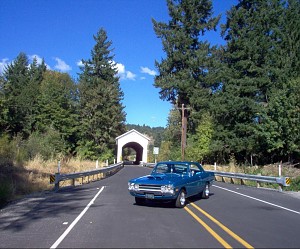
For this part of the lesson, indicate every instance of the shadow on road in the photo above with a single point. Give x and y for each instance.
(20, 214)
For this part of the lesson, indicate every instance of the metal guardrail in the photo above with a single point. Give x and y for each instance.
(57, 178)
(281, 181)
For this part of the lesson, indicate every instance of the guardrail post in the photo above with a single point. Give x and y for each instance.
(258, 183)
(58, 167)
(56, 186)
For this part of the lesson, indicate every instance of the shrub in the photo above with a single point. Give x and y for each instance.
(6, 190)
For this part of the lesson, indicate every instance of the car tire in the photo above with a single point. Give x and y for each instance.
(139, 201)
(181, 199)
(206, 191)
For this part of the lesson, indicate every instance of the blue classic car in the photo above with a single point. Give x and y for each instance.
(172, 181)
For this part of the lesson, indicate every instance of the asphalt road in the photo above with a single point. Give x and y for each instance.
(102, 214)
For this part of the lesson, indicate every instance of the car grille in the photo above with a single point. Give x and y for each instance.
(154, 188)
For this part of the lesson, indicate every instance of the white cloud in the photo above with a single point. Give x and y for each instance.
(123, 73)
(79, 63)
(147, 70)
(61, 65)
(121, 68)
(130, 75)
(3, 64)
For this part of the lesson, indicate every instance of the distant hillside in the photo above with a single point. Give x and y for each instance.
(155, 133)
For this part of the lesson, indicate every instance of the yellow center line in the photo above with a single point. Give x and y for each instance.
(227, 230)
(212, 232)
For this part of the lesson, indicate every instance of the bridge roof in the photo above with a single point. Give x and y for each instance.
(130, 132)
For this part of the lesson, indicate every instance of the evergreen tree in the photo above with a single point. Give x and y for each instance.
(15, 81)
(101, 112)
(31, 95)
(20, 90)
(255, 75)
(57, 109)
(183, 74)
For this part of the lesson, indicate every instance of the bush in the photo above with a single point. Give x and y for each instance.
(6, 191)
(295, 184)
(7, 152)
(48, 145)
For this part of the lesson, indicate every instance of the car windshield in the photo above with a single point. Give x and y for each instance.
(170, 168)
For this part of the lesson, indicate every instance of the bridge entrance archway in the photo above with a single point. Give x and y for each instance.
(136, 141)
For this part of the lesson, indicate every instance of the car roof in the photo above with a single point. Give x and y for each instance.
(179, 162)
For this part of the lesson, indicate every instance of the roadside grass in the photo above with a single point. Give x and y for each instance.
(17, 180)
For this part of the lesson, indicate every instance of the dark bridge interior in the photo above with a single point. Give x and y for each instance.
(137, 148)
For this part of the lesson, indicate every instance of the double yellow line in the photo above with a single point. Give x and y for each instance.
(212, 232)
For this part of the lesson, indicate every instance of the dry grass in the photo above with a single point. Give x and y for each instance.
(267, 170)
(34, 176)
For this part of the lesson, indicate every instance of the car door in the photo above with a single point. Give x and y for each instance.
(197, 173)
(192, 182)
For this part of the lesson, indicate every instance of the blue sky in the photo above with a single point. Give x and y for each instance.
(61, 32)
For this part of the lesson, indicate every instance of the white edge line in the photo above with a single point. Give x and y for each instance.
(269, 203)
(61, 238)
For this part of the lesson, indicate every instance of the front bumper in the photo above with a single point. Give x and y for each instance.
(154, 193)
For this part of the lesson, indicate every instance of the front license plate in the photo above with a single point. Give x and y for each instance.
(149, 196)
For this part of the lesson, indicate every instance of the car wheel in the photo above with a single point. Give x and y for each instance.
(206, 191)
(181, 199)
(139, 201)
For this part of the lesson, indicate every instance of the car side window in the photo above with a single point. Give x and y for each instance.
(162, 168)
(196, 168)
(180, 169)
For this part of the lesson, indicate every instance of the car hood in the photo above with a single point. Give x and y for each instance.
(157, 178)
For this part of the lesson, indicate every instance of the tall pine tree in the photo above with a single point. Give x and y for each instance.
(102, 117)
(20, 90)
(255, 78)
(183, 74)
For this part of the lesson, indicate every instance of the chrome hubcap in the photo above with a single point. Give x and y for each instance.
(207, 190)
(182, 199)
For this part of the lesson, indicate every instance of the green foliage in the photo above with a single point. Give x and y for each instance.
(49, 145)
(249, 85)
(57, 107)
(295, 184)
(168, 151)
(6, 190)
(183, 74)
(19, 93)
(7, 152)
(253, 109)
(198, 145)
(101, 112)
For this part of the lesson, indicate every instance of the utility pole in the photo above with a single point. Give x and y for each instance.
(183, 129)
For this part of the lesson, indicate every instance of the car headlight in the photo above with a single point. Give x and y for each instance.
(130, 186)
(133, 186)
(167, 189)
